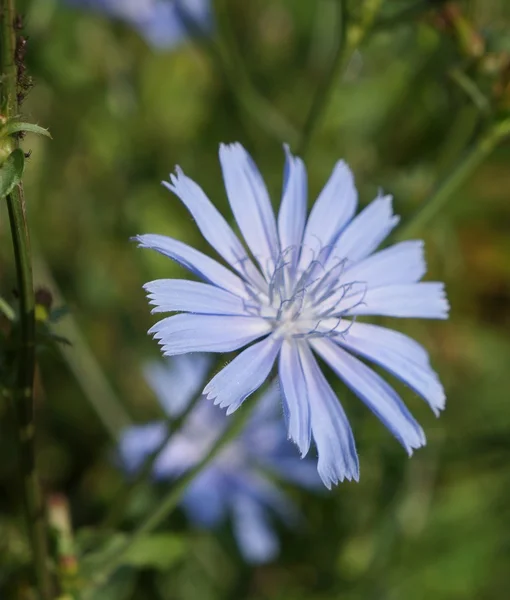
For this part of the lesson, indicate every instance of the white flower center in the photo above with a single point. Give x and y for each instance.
(310, 303)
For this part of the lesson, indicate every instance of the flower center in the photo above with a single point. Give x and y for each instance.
(310, 302)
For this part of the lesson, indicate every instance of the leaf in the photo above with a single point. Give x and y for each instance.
(11, 172)
(158, 551)
(16, 127)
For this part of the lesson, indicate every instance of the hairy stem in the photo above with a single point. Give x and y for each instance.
(24, 364)
(170, 501)
(473, 157)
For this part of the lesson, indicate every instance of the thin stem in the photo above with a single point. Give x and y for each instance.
(325, 86)
(474, 156)
(348, 40)
(414, 10)
(471, 89)
(171, 500)
(228, 60)
(124, 496)
(22, 390)
(82, 362)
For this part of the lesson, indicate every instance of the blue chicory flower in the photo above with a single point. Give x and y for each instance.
(299, 293)
(163, 23)
(236, 481)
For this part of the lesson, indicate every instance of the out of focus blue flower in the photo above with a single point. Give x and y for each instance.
(239, 482)
(297, 291)
(163, 23)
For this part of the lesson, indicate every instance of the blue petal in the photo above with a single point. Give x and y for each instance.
(253, 483)
(425, 300)
(201, 265)
(245, 374)
(205, 500)
(382, 399)
(184, 333)
(181, 295)
(399, 355)
(297, 471)
(213, 226)
(250, 204)
(292, 215)
(178, 381)
(365, 232)
(331, 212)
(255, 537)
(295, 396)
(137, 442)
(166, 26)
(401, 263)
(338, 459)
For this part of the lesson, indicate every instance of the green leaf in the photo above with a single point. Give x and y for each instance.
(17, 126)
(11, 172)
(158, 551)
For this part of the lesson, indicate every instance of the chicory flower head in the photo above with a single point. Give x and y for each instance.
(235, 483)
(298, 293)
(163, 23)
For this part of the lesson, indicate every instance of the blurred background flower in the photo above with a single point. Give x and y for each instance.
(240, 480)
(163, 23)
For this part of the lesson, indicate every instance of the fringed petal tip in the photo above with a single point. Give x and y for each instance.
(332, 478)
(415, 442)
(137, 239)
(443, 299)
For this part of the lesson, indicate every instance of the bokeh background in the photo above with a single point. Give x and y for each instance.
(122, 114)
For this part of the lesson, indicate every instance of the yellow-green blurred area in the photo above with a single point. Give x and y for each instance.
(122, 115)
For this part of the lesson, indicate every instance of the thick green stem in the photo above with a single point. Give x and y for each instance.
(473, 157)
(24, 364)
(171, 500)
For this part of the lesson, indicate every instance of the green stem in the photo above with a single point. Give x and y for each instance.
(473, 157)
(171, 500)
(325, 86)
(407, 14)
(229, 58)
(82, 362)
(228, 61)
(124, 496)
(22, 392)
(348, 41)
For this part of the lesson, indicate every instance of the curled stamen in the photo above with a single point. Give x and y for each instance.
(359, 302)
(277, 279)
(330, 281)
